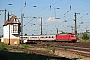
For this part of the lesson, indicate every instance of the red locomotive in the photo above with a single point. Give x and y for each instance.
(66, 37)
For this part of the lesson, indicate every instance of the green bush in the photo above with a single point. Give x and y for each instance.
(65, 48)
(85, 36)
(53, 49)
(3, 47)
(48, 44)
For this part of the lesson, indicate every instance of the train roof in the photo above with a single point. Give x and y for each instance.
(39, 36)
(65, 34)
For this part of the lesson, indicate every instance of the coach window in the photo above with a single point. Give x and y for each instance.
(52, 36)
(32, 37)
(42, 37)
(49, 36)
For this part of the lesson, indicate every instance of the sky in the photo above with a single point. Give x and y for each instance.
(48, 10)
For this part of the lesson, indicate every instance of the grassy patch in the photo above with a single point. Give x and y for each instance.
(65, 48)
(84, 40)
(25, 51)
(27, 46)
(53, 50)
(48, 44)
(3, 47)
(47, 51)
(16, 55)
(31, 47)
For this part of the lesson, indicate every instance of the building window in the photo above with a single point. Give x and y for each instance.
(15, 28)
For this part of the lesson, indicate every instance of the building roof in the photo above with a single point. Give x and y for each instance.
(12, 20)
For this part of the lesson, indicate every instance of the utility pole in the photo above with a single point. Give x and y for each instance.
(5, 15)
(9, 30)
(55, 12)
(76, 24)
(57, 30)
(41, 25)
(12, 8)
(22, 15)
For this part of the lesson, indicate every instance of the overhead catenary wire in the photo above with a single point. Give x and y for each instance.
(28, 22)
(64, 13)
(88, 1)
(47, 7)
(25, 5)
(51, 8)
(70, 4)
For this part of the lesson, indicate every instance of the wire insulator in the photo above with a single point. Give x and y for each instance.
(50, 7)
(70, 7)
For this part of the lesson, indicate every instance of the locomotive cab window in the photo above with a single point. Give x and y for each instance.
(72, 36)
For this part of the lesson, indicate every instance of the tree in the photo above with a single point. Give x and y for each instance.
(25, 34)
(64, 32)
(32, 34)
(85, 36)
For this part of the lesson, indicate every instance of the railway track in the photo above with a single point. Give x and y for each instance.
(82, 49)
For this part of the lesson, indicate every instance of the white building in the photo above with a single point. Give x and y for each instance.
(11, 31)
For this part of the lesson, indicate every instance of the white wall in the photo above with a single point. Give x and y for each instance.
(2, 40)
(6, 32)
